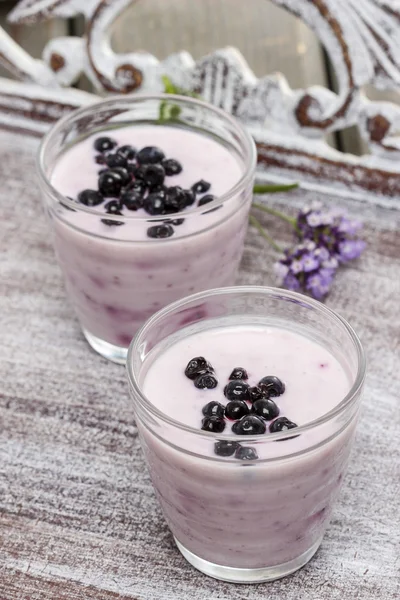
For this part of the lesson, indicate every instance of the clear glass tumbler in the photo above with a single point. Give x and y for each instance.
(116, 277)
(256, 520)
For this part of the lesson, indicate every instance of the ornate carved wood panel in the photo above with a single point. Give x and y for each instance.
(362, 38)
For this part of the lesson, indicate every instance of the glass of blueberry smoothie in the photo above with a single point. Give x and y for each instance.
(148, 198)
(246, 412)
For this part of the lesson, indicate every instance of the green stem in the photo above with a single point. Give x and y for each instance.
(277, 213)
(273, 189)
(265, 235)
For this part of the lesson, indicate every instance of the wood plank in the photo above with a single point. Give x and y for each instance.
(78, 517)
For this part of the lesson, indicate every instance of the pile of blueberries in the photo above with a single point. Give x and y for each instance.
(136, 179)
(250, 407)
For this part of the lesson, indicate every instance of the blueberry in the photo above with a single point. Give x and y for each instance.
(160, 231)
(249, 425)
(113, 207)
(150, 155)
(136, 171)
(177, 221)
(214, 409)
(171, 166)
(100, 159)
(237, 390)
(104, 144)
(128, 152)
(206, 199)
(138, 186)
(236, 409)
(190, 197)
(154, 204)
(196, 366)
(213, 424)
(175, 199)
(255, 393)
(206, 381)
(246, 453)
(90, 198)
(132, 200)
(226, 448)
(271, 386)
(281, 424)
(110, 183)
(239, 373)
(265, 408)
(116, 160)
(154, 175)
(200, 187)
(125, 176)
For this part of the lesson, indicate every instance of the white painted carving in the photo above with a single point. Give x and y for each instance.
(362, 38)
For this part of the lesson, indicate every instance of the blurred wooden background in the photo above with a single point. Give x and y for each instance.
(269, 38)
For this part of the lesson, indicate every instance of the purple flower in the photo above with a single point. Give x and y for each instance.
(291, 282)
(350, 249)
(326, 239)
(319, 283)
(348, 226)
(309, 262)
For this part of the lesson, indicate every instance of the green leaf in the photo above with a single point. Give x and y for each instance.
(273, 189)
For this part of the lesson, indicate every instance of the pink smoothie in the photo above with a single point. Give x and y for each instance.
(235, 513)
(118, 276)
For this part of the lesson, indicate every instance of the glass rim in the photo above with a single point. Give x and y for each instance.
(339, 409)
(245, 139)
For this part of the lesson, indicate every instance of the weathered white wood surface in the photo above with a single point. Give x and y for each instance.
(78, 517)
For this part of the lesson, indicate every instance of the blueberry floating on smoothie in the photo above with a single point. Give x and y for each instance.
(154, 175)
(175, 200)
(196, 366)
(132, 200)
(281, 424)
(138, 186)
(104, 144)
(125, 176)
(249, 425)
(201, 187)
(237, 390)
(113, 207)
(272, 386)
(90, 198)
(100, 159)
(160, 231)
(150, 155)
(175, 221)
(206, 381)
(236, 409)
(110, 183)
(238, 373)
(214, 409)
(265, 408)
(226, 448)
(190, 197)
(255, 393)
(116, 160)
(127, 151)
(171, 166)
(246, 453)
(136, 171)
(154, 204)
(213, 424)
